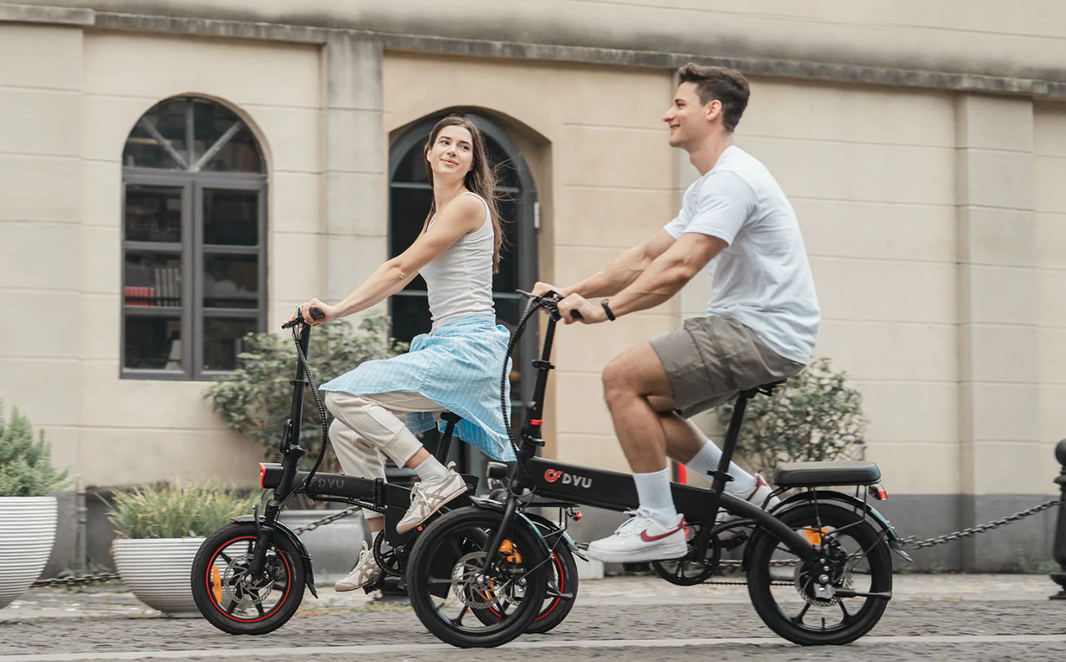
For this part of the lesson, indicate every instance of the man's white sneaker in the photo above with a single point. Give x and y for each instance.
(428, 497)
(642, 538)
(760, 496)
(366, 571)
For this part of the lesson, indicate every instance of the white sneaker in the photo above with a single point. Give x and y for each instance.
(760, 496)
(641, 538)
(428, 498)
(366, 571)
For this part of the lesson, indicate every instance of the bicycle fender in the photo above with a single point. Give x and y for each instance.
(553, 529)
(521, 519)
(301, 549)
(828, 495)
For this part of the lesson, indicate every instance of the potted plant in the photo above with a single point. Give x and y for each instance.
(159, 530)
(27, 508)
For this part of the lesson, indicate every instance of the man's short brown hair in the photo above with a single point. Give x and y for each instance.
(728, 86)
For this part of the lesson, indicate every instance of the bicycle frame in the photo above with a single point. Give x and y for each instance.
(372, 494)
(574, 484)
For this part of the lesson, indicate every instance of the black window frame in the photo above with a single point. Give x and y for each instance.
(192, 250)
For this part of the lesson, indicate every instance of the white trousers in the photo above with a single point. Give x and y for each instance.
(365, 426)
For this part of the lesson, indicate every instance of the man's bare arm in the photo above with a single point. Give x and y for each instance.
(668, 273)
(624, 270)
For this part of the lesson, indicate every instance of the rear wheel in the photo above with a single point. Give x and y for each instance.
(447, 580)
(792, 596)
(230, 597)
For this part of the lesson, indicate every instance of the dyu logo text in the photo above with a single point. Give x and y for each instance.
(563, 478)
(328, 483)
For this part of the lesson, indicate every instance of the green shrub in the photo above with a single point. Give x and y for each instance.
(255, 399)
(816, 416)
(175, 512)
(25, 465)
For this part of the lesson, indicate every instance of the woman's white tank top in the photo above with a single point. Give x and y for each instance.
(459, 280)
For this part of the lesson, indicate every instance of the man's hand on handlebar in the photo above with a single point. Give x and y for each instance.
(575, 308)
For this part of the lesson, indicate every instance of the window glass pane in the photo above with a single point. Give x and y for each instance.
(143, 151)
(412, 168)
(506, 280)
(231, 218)
(410, 317)
(231, 281)
(153, 213)
(498, 159)
(223, 341)
(152, 280)
(153, 343)
(239, 154)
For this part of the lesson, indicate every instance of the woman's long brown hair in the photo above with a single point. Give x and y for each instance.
(480, 180)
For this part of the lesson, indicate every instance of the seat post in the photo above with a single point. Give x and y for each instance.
(446, 441)
(721, 476)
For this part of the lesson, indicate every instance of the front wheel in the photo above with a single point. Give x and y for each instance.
(815, 602)
(447, 579)
(230, 597)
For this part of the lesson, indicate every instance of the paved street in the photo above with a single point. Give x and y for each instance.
(933, 617)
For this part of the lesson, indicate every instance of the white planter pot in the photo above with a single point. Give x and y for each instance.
(157, 571)
(27, 533)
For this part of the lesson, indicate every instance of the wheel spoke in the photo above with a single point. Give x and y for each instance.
(259, 608)
(232, 605)
(458, 620)
(844, 609)
(226, 558)
(803, 612)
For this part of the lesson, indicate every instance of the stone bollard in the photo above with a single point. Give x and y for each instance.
(1058, 551)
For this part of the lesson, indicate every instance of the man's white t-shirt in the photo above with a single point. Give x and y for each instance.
(762, 279)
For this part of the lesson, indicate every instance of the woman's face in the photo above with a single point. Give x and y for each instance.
(451, 155)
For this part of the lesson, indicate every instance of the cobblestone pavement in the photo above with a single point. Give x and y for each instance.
(934, 617)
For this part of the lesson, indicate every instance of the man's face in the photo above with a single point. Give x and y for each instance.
(688, 119)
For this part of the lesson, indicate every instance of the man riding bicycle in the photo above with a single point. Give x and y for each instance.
(760, 327)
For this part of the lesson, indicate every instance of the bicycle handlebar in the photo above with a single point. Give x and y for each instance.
(550, 302)
(316, 314)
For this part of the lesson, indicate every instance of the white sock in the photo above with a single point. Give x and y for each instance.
(707, 461)
(653, 490)
(431, 470)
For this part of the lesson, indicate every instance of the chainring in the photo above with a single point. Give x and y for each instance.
(688, 571)
(387, 559)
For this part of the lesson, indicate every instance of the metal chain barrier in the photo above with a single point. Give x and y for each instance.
(911, 541)
(328, 519)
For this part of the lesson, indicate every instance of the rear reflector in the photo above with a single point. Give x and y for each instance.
(880, 493)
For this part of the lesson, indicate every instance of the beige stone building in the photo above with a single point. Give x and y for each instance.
(173, 175)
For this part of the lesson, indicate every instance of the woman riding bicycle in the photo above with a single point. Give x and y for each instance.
(455, 367)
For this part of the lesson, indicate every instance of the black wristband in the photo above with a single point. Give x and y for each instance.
(607, 309)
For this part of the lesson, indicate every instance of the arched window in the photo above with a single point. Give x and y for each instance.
(193, 240)
(410, 195)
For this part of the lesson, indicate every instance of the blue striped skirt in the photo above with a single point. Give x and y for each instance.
(458, 366)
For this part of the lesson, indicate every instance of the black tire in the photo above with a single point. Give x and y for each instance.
(226, 603)
(438, 554)
(562, 579)
(870, 562)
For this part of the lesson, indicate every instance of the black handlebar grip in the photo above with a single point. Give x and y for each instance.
(576, 315)
(316, 313)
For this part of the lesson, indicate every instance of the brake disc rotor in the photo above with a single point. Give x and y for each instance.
(807, 575)
(472, 587)
(238, 589)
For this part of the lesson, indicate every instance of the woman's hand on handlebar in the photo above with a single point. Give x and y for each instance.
(541, 289)
(305, 311)
(576, 308)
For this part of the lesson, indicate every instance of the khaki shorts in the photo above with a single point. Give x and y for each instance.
(711, 359)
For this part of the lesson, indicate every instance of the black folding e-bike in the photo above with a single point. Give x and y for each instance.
(818, 565)
(249, 576)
